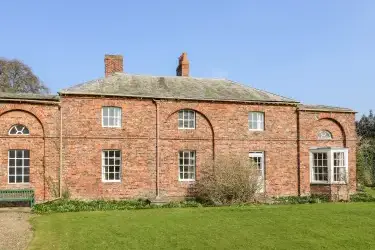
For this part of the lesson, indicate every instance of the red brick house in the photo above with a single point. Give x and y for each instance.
(128, 136)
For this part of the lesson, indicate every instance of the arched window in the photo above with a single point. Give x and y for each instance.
(19, 129)
(324, 135)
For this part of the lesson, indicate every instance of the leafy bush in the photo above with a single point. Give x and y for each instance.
(302, 199)
(65, 205)
(176, 204)
(362, 197)
(230, 180)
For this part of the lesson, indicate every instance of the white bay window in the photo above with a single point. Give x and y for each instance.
(329, 165)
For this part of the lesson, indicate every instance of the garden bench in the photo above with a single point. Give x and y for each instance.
(17, 195)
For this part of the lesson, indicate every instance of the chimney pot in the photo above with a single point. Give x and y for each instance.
(113, 64)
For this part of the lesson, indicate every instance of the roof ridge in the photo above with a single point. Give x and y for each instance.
(169, 76)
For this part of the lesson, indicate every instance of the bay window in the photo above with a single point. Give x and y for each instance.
(329, 165)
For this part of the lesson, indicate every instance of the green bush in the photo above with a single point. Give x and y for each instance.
(65, 205)
(302, 199)
(362, 197)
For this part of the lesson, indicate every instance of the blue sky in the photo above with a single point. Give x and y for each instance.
(317, 52)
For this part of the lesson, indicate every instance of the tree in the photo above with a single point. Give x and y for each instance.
(366, 126)
(366, 150)
(15, 76)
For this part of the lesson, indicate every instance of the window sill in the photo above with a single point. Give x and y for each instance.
(256, 130)
(103, 181)
(187, 181)
(186, 128)
(328, 183)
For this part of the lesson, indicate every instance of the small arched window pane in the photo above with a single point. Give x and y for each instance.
(324, 135)
(19, 129)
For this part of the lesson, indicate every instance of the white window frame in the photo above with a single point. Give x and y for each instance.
(114, 165)
(183, 165)
(23, 166)
(22, 133)
(117, 116)
(188, 119)
(331, 165)
(325, 135)
(259, 122)
(262, 183)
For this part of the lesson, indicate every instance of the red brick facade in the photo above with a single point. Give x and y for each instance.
(149, 140)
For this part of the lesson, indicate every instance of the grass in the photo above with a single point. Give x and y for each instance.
(309, 226)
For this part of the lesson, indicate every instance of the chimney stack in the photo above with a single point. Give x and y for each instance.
(113, 64)
(183, 65)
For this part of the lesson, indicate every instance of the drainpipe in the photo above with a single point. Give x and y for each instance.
(298, 153)
(61, 153)
(157, 149)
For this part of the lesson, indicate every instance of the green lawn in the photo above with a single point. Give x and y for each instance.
(315, 226)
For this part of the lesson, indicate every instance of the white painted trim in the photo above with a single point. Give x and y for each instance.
(330, 152)
(103, 166)
(15, 167)
(120, 118)
(183, 119)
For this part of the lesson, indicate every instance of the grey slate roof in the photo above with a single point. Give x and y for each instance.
(28, 96)
(173, 87)
(325, 108)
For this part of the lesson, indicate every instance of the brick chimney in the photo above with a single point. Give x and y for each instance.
(113, 64)
(183, 65)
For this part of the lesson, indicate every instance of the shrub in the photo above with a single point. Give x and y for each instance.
(302, 199)
(362, 197)
(65, 205)
(230, 180)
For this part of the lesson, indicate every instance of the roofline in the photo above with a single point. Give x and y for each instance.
(35, 101)
(327, 110)
(175, 98)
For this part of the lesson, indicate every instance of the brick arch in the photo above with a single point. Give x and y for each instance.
(30, 111)
(342, 129)
(315, 123)
(197, 111)
(205, 118)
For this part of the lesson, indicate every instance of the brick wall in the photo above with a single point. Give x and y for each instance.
(221, 129)
(43, 143)
(342, 127)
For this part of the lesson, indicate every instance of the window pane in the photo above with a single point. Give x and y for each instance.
(19, 179)
(191, 124)
(26, 179)
(26, 162)
(117, 176)
(180, 114)
(111, 112)
(12, 171)
(12, 179)
(111, 176)
(12, 153)
(105, 111)
(26, 153)
(117, 153)
(19, 153)
(19, 171)
(19, 162)
(105, 121)
(12, 162)
(26, 170)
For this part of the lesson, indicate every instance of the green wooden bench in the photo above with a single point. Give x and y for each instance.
(17, 195)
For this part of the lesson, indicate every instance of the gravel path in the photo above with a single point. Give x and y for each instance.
(15, 231)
